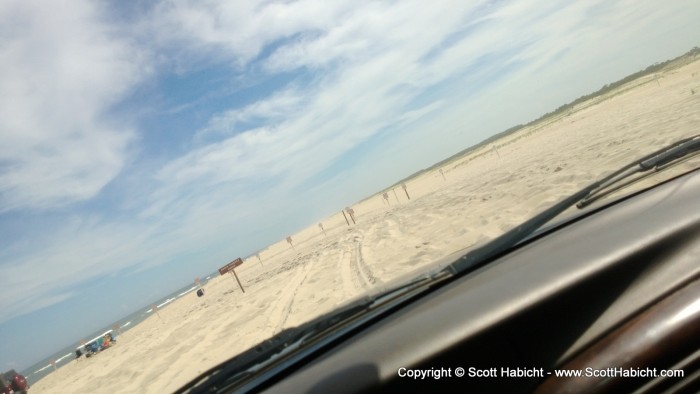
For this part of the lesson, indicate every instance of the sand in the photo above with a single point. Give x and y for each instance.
(480, 196)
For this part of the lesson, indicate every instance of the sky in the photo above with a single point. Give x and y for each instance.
(145, 143)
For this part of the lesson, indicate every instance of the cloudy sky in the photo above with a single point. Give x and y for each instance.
(145, 143)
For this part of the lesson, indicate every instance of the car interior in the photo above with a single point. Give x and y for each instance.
(616, 287)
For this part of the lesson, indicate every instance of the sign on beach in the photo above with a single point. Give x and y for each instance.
(230, 267)
(405, 189)
(350, 212)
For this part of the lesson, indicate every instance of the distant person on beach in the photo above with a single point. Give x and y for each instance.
(92, 347)
(106, 342)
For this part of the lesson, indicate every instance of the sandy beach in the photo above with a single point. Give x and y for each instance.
(464, 203)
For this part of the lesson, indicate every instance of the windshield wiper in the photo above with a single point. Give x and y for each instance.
(263, 361)
(659, 160)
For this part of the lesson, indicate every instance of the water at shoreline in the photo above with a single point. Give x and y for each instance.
(43, 368)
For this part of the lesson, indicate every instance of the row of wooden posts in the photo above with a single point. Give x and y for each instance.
(347, 213)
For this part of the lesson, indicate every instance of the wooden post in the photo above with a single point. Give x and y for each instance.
(346, 218)
(405, 189)
(352, 214)
(230, 268)
(233, 271)
(395, 195)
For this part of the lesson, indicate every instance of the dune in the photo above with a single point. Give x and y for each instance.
(466, 202)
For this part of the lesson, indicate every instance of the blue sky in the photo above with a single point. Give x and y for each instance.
(135, 142)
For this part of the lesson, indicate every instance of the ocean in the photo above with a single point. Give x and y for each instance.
(61, 358)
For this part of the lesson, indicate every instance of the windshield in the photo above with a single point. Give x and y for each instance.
(181, 180)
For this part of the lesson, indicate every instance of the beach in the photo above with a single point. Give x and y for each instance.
(443, 211)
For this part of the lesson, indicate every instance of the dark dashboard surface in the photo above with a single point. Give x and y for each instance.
(539, 307)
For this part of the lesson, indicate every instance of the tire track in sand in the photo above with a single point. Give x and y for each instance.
(356, 275)
(280, 311)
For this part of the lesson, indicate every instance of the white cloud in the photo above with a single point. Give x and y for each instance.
(275, 108)
(80, 250)
(39, 273)
(61, 69)
(241, 28)
(409, 28)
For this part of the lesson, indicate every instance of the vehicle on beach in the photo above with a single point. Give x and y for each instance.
(13, 382)
(97, 345)
(604, 300)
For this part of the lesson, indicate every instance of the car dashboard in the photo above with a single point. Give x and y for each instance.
(614, 291)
